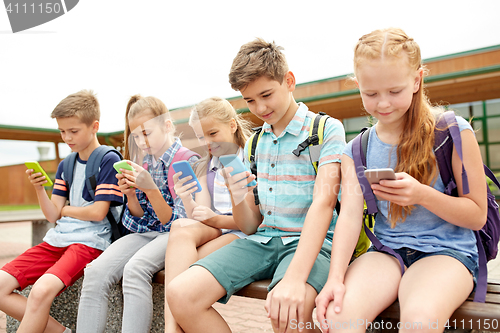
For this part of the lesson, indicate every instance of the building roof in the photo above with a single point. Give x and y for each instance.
(455, 78)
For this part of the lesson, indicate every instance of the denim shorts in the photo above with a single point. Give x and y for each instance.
(410, 256)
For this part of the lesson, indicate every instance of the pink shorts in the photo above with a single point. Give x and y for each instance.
(67, 263)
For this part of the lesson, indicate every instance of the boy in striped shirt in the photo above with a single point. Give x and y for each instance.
(292, 227)
(81, 230)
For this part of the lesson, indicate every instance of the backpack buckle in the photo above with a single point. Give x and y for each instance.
(314, 140)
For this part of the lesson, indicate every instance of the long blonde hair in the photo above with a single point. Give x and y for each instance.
(135, 107)
(220, 110)
(415, 148)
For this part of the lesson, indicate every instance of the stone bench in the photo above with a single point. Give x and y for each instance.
(65, 308)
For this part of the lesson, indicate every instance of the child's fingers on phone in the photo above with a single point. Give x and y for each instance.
(192, 190)
(126, 172)
(226, 172)
(38, 180)
(176, 176)
(236, 178)
(183, 180)
(135, 165)
(187, 187)
(130, 183)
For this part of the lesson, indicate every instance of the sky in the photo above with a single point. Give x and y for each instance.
(181, 51)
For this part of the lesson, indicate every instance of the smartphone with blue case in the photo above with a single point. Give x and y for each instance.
(235, 162)
(185, 168)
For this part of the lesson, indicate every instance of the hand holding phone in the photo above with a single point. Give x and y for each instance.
(185, 168)
(374, 176)
(122, 165)
(235, 162)
(38, 168)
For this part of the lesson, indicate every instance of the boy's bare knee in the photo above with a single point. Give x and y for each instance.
(177, 299)
(176, 225)
(7, 283)
(176, 293)
(41, 294)
(180, 229)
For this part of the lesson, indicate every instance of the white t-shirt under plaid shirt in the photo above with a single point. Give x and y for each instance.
(285, 181)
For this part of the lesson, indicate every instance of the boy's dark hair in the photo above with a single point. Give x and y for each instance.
(255, 59)
(82, 104)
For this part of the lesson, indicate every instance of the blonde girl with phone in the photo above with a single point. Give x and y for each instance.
(209, 224)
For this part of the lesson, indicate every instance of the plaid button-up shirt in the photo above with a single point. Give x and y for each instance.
(159, 172)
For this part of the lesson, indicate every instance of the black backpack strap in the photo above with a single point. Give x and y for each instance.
(68, 169)
(92, 170)
(365, 133)
(312, 139)
(93, 167)
(254, 139)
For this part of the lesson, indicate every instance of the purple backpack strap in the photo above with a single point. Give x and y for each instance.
(447, 127)
(447, 124)
(182, 154)
(360, 165)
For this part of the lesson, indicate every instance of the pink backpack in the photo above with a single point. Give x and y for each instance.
(183, 154)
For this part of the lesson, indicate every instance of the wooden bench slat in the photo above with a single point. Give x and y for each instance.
(490, 298)
(472, 315)
(493, 286)
(493, 282)
(159, 277)
(257, 289)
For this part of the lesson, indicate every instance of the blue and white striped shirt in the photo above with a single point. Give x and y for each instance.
(285, 181)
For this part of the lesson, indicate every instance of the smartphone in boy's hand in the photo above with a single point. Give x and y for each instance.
(235, 162)
(38, 168)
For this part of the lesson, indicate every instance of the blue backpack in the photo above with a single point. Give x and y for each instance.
(447, 135)
(92, 170)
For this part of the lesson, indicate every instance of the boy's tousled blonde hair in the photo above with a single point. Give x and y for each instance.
(255, 59)
(83, 105)
(138, 106)
(416, 142)
(221, 111)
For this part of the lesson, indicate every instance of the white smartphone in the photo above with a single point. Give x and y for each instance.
(374, 176)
